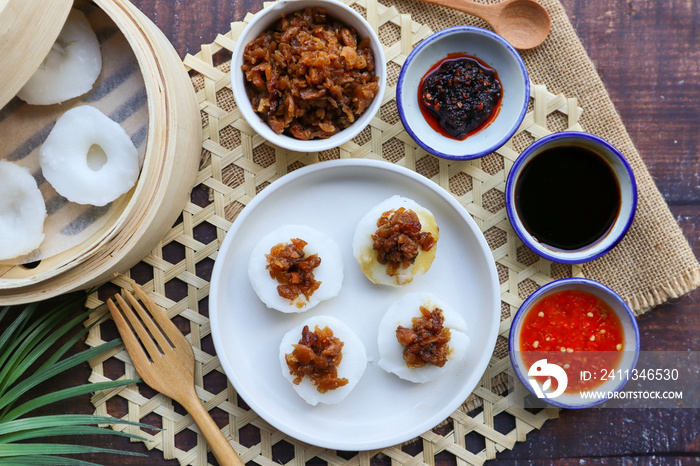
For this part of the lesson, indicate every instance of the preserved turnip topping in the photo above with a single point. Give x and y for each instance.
(399, 239)
(427, 341)
(309, 75)
(317, 356)
(395, 241)
(323, 359)
(295, 267)
(421, 338)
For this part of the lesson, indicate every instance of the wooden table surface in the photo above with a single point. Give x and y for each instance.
(648, 56)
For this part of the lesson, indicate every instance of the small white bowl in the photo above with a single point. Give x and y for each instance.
(495, 52)
(262, 21)
(625, 179)
(630, 351)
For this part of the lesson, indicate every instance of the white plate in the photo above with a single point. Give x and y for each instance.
(382, 410)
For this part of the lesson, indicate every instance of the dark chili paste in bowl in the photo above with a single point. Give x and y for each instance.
(459, 96)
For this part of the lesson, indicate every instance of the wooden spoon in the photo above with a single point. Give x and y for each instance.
(523, 23)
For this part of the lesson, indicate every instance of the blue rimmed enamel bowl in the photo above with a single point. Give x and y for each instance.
(622, 173)
(493, 51)
(609, 385)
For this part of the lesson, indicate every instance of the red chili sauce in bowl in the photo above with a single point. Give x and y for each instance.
(459, 96)
(579, 331)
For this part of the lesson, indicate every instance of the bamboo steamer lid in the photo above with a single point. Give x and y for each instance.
(28, 29)
(171, 163)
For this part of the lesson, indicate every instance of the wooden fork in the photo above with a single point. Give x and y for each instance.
(167, 364)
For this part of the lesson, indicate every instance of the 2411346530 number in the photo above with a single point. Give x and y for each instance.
(643, 374)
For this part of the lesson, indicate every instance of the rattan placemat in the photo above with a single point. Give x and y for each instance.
(651, 265)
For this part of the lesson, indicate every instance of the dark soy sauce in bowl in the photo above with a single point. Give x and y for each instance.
(567, 197)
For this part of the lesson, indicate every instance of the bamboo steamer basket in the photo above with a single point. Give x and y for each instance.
(173, 150)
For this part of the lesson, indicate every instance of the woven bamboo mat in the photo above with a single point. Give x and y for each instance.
(236, 165)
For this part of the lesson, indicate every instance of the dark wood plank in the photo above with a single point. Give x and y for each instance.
(613, 433)
(190, 24)
(647, 54)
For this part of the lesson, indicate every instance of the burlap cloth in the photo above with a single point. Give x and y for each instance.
(652, 264)
(654, 261)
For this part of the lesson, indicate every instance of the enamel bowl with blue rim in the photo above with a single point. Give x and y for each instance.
(607, 382)
(565, 212)
(491, 50)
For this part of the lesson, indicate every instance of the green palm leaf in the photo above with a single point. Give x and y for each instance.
(40, 460)
(61, 430)
(9, 339)
(69, 344)
(35, 344)
(62, 395)
(55, 449)
(35, 379)
(28, 359)
(58, 420)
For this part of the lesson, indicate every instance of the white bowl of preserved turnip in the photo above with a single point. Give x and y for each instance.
(97, 123)
(308, 75)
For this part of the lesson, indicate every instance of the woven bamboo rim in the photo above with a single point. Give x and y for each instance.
(236, 164)
(168, 173)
